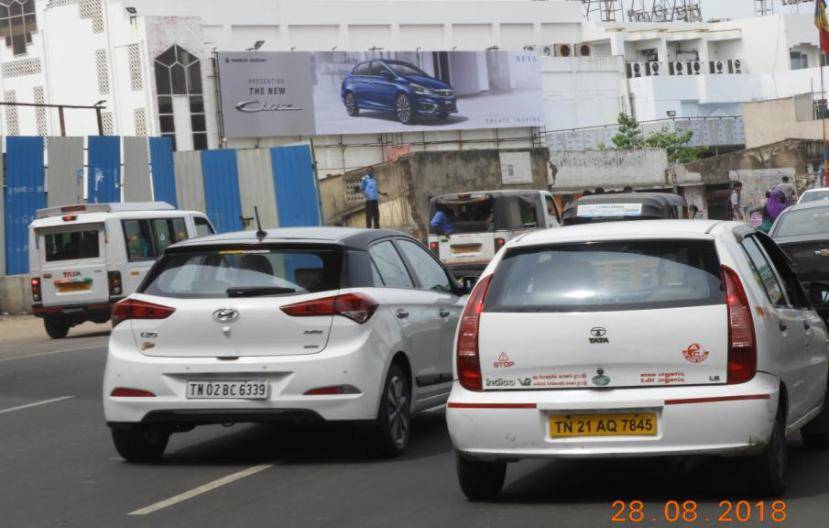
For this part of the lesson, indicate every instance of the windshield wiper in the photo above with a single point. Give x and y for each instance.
(257, 291)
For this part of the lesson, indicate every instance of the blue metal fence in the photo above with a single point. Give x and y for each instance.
(104, 176)
(25, 194)
(161, 161)
(221, 189)
(297, 198)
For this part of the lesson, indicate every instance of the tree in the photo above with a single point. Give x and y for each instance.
(630, 137)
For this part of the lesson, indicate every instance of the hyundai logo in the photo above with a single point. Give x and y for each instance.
(598, 332)
(225, 315)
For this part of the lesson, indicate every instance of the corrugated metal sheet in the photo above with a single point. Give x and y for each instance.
(296, 187)
(256, 186)
(64, 174)
(25, 194)
(2, 218)
(221, 189)
(104, 179)
(164, 178)
(189, 181)
(137, 170)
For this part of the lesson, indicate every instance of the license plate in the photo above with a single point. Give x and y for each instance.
(74, 286)
(625, 424)
(227, 390)
(466, 249)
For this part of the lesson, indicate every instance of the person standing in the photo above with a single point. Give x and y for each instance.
(368, 186)
(735, 210)
(775, 205)
(788, 190)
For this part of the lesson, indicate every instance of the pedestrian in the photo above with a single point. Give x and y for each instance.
(368, 186)
(443, 223)
(788, 190)
(775, 205)
(734, 209)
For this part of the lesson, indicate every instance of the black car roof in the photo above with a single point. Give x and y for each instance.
(355, 238)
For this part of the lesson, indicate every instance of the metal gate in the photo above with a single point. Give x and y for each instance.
(296, 186)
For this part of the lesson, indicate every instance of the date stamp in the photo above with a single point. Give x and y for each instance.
(688, 512)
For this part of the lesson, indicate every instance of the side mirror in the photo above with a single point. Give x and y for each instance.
(819, 293)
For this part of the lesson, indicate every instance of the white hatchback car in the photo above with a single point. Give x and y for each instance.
(306, 324)
(637, 339)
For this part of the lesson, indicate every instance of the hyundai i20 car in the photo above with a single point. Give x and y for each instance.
(633, 339)
(398, 87)
(305, 325)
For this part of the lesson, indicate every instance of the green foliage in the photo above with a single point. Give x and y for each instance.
(630, 137)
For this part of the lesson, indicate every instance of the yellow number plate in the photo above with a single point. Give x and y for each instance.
(463, 250)
(572, 425)
(77, 286)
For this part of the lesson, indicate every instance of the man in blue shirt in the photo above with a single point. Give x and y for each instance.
(368, 186)
(443, 222)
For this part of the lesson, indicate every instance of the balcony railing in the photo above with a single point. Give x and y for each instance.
(679, 68)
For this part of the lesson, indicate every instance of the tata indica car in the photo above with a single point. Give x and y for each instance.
(657, 338)
(304, 325)
(398, 87)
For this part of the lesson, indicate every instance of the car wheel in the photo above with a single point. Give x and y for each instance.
(393, 426)
(770, 466)
(56, 328)
(351, 104)
(442, 117)
(403, 109)
(480, 481)
(815, 434)
(140, 444)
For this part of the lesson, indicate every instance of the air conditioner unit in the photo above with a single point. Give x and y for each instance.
(583, 50)
(548, 51)
(719, 67)
(529, 48)
(679, 68)
(695, 67)
(736, 66)
(563, 50)
(637, 69)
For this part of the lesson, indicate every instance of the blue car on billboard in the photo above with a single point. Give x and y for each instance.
(398, 87)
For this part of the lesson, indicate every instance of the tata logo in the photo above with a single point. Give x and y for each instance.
(71, 274)
(598, 336)
(225, 315)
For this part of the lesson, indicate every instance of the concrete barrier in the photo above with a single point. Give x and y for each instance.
(15, 295)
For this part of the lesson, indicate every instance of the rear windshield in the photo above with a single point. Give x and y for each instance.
(480, 214)
(607, 276)
(234, 272)
(72, 245)
(804, 222)
(815, 196)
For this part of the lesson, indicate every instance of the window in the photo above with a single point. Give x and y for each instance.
(17, 23)
(764, 273)
(377, 68)
(163, 234)
(813, 221)
(608, 276)
(362, 69)
(390, 266)
(552, 210)
(178, 73)
(148, 239)
(430, 274)
(72, 245)
(794, 290)
(528, 213)
(203, 227)
(376, 279)
(404, 69)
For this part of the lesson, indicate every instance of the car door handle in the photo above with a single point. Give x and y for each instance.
(444, 314)
(783, 327)
(402, 314)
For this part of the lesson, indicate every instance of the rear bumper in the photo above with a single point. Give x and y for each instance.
(459, 271)
(715, 420)
(75, 311)
(223, 416)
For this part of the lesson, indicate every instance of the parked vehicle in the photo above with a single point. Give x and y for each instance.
(814, 195)
(304, 324)
(634, 339)
(398, 87)
(627, 206)
(84, 258)
(802, 232)
(483, 222)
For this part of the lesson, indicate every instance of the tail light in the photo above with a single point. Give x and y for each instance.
(37, 295)
(135, 309)
(115, 286)
(334, 390)
(125, 392)
(499, 243)
(434, 247)
(69, 218)
(355, 306)
(468, 360)
(742, 348)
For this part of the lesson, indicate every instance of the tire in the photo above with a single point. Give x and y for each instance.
(141, 444)
(56, 328)
(769, 468)
(403, 109)
(394, 421)
(442, 117)
(480, 481)
(351, 105)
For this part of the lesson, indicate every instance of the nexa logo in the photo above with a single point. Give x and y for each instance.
(598, 336)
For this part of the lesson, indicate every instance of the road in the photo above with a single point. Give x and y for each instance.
(58, 468)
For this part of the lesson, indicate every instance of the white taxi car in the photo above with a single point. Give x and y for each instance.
(298, 325)
(637, 339)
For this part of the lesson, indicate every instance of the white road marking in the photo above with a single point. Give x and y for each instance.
(195, 492)
(52, 353)
(35, 404)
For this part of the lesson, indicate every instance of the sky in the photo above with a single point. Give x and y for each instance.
(745, 8)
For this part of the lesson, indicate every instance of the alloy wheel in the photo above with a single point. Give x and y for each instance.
(350, 104)
(398, 408)
(404, 109)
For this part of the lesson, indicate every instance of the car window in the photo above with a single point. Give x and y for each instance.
(377, 68)
(376, 279)
(139, 240)
(528, 212)
(764, 273)
(163, 234)
(71, 245)
(362, 69)
(815, 196)
(552, 210)
(405, 69)
(203, 227)
(179, 229)
(390, 265)
(813, 221)
(790, 281)
(430, 274)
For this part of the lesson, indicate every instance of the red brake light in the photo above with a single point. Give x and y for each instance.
(70, 218)
(499, 243)
(72, 208)
(124, 392)
(36, 293)
(115, 287)
(135, 309)
(468, 360)
(742, 348)
(355, 306)
(333, 390)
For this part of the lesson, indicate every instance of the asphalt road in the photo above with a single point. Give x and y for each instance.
(58, 468)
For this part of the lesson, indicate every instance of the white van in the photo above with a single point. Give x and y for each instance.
(84, 258)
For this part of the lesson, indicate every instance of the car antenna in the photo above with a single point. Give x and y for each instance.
(260, 233)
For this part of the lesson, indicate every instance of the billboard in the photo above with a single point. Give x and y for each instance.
(328, 93)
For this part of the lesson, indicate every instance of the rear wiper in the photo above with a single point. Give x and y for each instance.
(257, 291)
